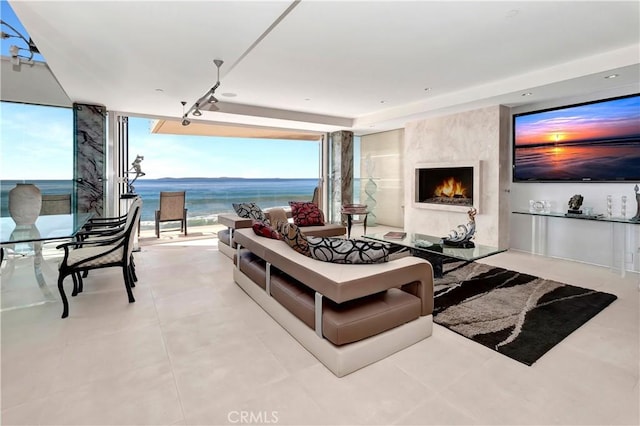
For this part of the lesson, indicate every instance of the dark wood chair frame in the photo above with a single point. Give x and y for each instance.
(123, 240)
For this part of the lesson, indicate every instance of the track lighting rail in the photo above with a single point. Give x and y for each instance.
(208, 97)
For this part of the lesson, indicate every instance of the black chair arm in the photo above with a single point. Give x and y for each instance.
(101, 242)
(108, 219)
(99, 232)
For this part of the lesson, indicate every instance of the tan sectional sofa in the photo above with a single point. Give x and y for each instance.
(232, 221)
(348, 316)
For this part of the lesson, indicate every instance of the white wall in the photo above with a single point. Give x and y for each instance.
(386, 153)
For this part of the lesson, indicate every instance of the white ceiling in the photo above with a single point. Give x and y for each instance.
(328, 65)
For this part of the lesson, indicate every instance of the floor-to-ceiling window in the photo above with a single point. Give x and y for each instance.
(36, 146)
(218, 171)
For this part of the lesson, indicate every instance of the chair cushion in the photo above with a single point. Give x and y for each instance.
(338, 250)
(306, 214)
(250, 211)
(107, 255)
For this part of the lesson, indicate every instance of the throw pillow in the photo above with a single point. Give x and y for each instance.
(277, 215)
(264, 230)
(306, 213)
(338, 250)
(250, 211)
(292, 235)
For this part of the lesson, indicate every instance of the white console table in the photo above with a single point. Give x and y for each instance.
(620, 228)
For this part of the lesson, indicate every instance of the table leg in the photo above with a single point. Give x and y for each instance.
(348, 226)
(365, 224)
(434, 259)
(37, 269)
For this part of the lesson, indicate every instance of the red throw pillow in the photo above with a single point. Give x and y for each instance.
(306, 213)
(264, 230)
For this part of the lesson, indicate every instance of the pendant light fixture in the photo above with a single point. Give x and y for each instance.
(185, 120)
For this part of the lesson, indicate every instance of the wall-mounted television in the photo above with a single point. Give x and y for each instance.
(595, 141)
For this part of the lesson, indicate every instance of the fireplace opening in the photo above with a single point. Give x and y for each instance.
(451, 186)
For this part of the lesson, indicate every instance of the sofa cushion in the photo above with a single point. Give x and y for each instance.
(293, 236)
(265, 230)
(224, 236)
(338, 250)
(306, 213)
(250, 211)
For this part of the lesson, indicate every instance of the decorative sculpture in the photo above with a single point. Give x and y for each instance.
(461, 236)
(637, 216)
(574, 204)
(135, 168)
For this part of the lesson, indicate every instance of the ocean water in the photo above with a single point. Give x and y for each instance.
(205, 197)
(615, 160)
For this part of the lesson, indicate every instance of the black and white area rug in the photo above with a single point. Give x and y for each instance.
(518, 315)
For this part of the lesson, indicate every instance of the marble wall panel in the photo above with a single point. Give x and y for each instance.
(90, 154)
(341, 172)
(477, 135)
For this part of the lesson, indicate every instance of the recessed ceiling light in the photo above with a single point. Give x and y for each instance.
(527, 94)
(512, 13)
(229, 95)
(382, 102)
(159, 90)
(307, 99)
(427, 89)
(612, 76)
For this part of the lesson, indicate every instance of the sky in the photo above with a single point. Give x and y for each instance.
(36, 142)
(603, 120)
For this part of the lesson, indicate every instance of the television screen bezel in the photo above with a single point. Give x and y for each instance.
(572, 180)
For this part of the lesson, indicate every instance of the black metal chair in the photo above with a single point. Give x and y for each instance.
(103, 252)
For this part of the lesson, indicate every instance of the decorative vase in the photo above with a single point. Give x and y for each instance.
(370, 189)
(25, 201)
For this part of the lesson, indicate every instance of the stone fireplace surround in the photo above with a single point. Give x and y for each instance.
(478, 136)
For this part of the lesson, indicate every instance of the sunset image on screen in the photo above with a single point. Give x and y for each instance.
(599, 141)
(610, 120)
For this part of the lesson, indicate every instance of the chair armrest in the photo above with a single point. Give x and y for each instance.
(107, 219)
(100, 242)
(105, 224)
(81, 235)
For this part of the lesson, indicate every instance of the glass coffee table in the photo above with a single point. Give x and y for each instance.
(432, 249)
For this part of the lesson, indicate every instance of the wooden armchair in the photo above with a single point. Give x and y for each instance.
(172, 209)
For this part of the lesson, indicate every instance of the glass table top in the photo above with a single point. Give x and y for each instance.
(49, 227)
(596, 217)
(432, 244)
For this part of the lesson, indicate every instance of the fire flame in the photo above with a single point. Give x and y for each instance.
(450, 187)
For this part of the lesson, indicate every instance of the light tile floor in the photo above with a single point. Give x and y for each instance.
(195, 349)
